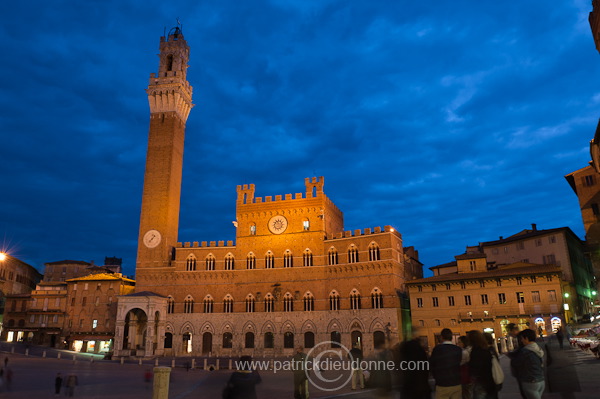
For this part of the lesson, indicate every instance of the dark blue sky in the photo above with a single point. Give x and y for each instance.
(454, 122)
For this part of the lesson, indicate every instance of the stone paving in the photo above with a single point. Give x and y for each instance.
(33, 377)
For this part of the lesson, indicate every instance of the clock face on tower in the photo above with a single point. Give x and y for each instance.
(278, 224)
(152, 238)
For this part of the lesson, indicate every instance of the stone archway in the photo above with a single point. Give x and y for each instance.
(134, 332)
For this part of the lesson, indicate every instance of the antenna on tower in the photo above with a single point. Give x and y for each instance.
(179, 24)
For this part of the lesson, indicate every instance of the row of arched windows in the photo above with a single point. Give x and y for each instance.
(288, 258)
(307, 303)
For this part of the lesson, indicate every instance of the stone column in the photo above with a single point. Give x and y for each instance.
(161, 383)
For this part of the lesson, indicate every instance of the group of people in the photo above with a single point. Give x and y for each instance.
(69, 383)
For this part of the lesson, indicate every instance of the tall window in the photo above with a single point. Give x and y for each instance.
(450, 301)
(332, 256)
(269, 303)
(269, 340)
(269, 260)
(306, 225)
(334, 301)
(307, 258)
(352, 254)
(229, 262)
(467, 299)
(288, 259)
(376, 299)
(190, 263)
(288, 340)
(227, 340)
(501, 298)
(552, 295)
(288, 302)
(252, 229)
(520, 297)
(228, 304)
(535, 296)
(419, 302)
(170, 305)
(484, 299)
(336, 339)
(309, 302)
(435, 302)
(249, 341)
(251, 261)
(588, 180)
(472, 265)
(355, 300)
(374, 252)
(210, 262)
(250, 303)
(188, 305)
(208, 304)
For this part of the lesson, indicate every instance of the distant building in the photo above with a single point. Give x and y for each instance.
(16, 278)
(469, 295)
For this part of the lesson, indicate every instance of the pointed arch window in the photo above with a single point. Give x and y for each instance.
(355, 302)
(250, 261)
(269, 303)
(288, 259)
(188, 304)
(250, 301)
(334, 301)
(228, 304)
(376, 299)
(269, 260)
(210, 262)
(309, 302)
(170, 304)
(288, 302)
(229, 262)
(332, 256)
(190, 264)
(374, 252)
(307, 258)
(208, 304)
(352, 254)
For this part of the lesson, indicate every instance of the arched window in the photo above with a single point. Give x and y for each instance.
(376, 299)
(332, 256)
(170, 304)
(210, 262)
(269, 260)
(352, 254)
(249, 340)
(168, 340)
(228, 304)
(336, 339)
(288, 340)
(269, 340)
(288, 259)
(378, 339)
(288, 302)
(188, 304)
(190, 263)
(334, 301)
(309, 339)
(227, 340)
(229, 262)
(252, 229)
(307, 258)
(374, 252)
(355, 302)
(250, 303)
(209, 303)
(250, 261)
(309, 302)
(269, 303)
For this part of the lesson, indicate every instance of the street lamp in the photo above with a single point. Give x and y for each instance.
(2, 256)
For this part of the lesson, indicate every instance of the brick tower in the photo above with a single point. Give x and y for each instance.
(170, 99)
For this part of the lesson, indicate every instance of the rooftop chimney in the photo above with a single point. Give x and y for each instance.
(533, 226)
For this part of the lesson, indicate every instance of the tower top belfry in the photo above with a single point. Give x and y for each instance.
(169, 90)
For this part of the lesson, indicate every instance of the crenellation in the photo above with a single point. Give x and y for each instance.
(268, 198)
(259, 200)
(186, 245)
(367, 231)
(298, 196)
(203, 244)
(288, 197)
(377, 229)
(213, 244)
(347, 233)
(278, 198)
(221, 244)
(357, 232)
(230, 243)
(195, 244)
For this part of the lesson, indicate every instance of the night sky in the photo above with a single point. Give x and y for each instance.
(453, 121)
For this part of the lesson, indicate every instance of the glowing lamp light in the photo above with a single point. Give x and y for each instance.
(566, 306)
(566, 295)
(594, 292)
(392, 230)
(2, 256)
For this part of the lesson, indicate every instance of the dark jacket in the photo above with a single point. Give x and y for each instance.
(527, 363)
(445, 364)
(413, 383)
(480, 369)
(242, 384)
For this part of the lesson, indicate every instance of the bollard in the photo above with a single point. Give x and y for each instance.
(92, 359)
(156, 363)
(193, 364)
(140, 361)
(217, 366)
(44, 354)
(173, 363)
(58, 356)
(12, 350)
(160, 388)
(27, 352)
(205, 364)
(74, 359)
(122, 360)
(230, 362)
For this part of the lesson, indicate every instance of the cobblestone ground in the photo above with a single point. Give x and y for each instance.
(33, 377)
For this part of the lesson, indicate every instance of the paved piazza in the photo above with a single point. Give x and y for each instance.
(33, 377)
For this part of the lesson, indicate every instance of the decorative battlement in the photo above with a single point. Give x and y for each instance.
(314, 189)
(359, 232)
(205, 244)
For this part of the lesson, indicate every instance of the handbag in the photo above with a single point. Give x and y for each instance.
(497, 373)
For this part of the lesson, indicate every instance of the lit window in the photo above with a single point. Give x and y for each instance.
(94, 323)
(306, 225)
(253, 230)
